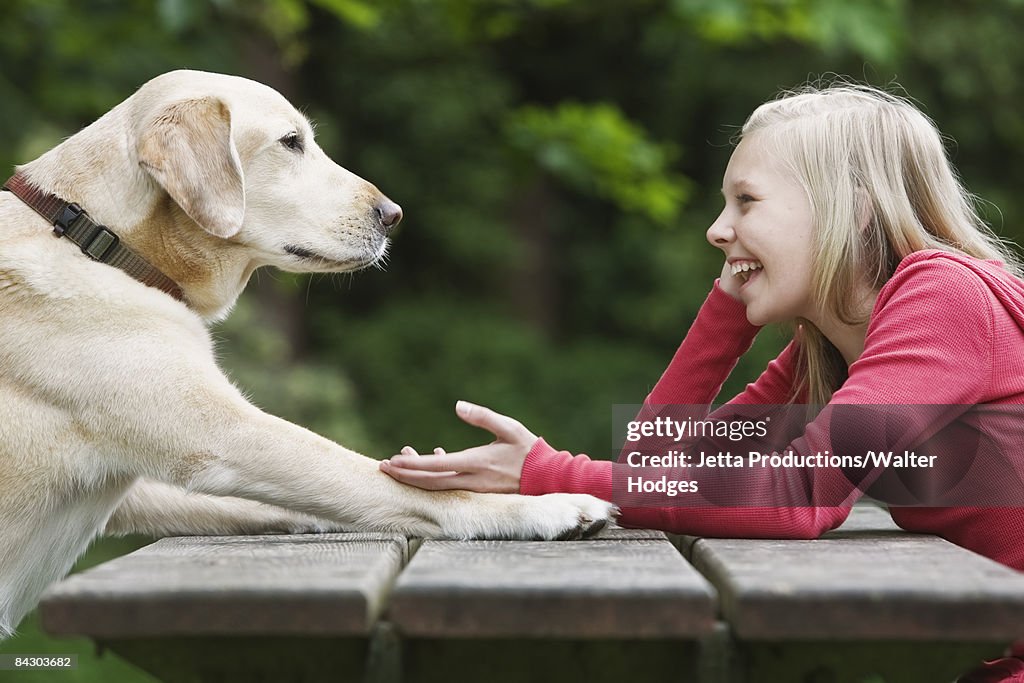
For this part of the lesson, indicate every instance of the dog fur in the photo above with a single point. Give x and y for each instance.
(114, 416)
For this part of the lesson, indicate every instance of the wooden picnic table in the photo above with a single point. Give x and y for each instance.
(867, 602)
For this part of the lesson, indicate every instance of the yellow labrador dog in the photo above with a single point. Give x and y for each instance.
(115, 248)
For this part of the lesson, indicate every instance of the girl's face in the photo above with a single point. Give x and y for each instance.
(766, 233)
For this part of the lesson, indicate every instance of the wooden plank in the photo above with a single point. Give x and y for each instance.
(863, 517)
(865, 580)
(586, 589)
(326, 584)
(622, 534)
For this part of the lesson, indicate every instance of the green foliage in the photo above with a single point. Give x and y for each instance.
(597, 150)
(417, 358)
(872, 28)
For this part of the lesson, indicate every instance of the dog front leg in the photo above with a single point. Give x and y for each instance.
(264, 458)
(153, 508)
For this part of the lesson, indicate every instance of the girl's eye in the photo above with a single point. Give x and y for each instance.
(744, 198)
(292, 142)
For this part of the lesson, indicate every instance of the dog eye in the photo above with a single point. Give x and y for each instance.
(292, 141)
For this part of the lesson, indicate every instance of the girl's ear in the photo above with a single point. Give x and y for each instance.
(188, 149)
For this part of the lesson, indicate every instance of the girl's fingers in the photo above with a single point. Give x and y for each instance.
(432, 481)
(443, 462)
(409, 450)
(502, 426)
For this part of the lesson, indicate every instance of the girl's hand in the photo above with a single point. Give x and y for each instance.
(493, 468)
(729, 283)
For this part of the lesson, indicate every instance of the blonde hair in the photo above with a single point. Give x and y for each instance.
(880, 187)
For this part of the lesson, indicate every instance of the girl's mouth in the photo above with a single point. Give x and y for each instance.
(746, 270)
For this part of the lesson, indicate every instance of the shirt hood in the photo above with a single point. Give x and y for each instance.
(1006, 287)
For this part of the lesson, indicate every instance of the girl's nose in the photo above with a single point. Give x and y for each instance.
(721, 233)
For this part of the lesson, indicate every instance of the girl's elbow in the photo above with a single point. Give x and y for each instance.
(809, 527)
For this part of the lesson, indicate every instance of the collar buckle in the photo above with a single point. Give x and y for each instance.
(96, 241)
(67, 218)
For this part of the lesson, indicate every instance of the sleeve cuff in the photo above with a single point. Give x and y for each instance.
(549, 471)
(541, 462)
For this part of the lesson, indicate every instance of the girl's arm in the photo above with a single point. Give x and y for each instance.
(717, 338)
(929, 343)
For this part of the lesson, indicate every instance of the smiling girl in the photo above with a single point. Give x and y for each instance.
(844, 216)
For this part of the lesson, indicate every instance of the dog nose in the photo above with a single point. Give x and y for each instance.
(389, 214)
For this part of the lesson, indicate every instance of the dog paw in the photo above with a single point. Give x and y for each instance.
(570, 516)
(552, 517)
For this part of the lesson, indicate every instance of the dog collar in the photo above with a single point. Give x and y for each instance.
(96, 241)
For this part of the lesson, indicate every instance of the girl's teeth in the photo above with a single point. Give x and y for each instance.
(741, 269)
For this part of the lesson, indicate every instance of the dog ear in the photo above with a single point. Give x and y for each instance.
(189, 150)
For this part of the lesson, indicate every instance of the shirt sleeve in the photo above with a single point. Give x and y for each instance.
(934, 319)
(719, 335)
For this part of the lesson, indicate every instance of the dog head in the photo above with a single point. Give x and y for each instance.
(243, 164)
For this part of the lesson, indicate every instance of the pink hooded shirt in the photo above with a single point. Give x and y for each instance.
(945, 330)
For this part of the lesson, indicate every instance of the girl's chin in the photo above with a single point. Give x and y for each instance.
(753, 319)
(759, 317)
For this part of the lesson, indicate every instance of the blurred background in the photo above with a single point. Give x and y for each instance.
(558, 162)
